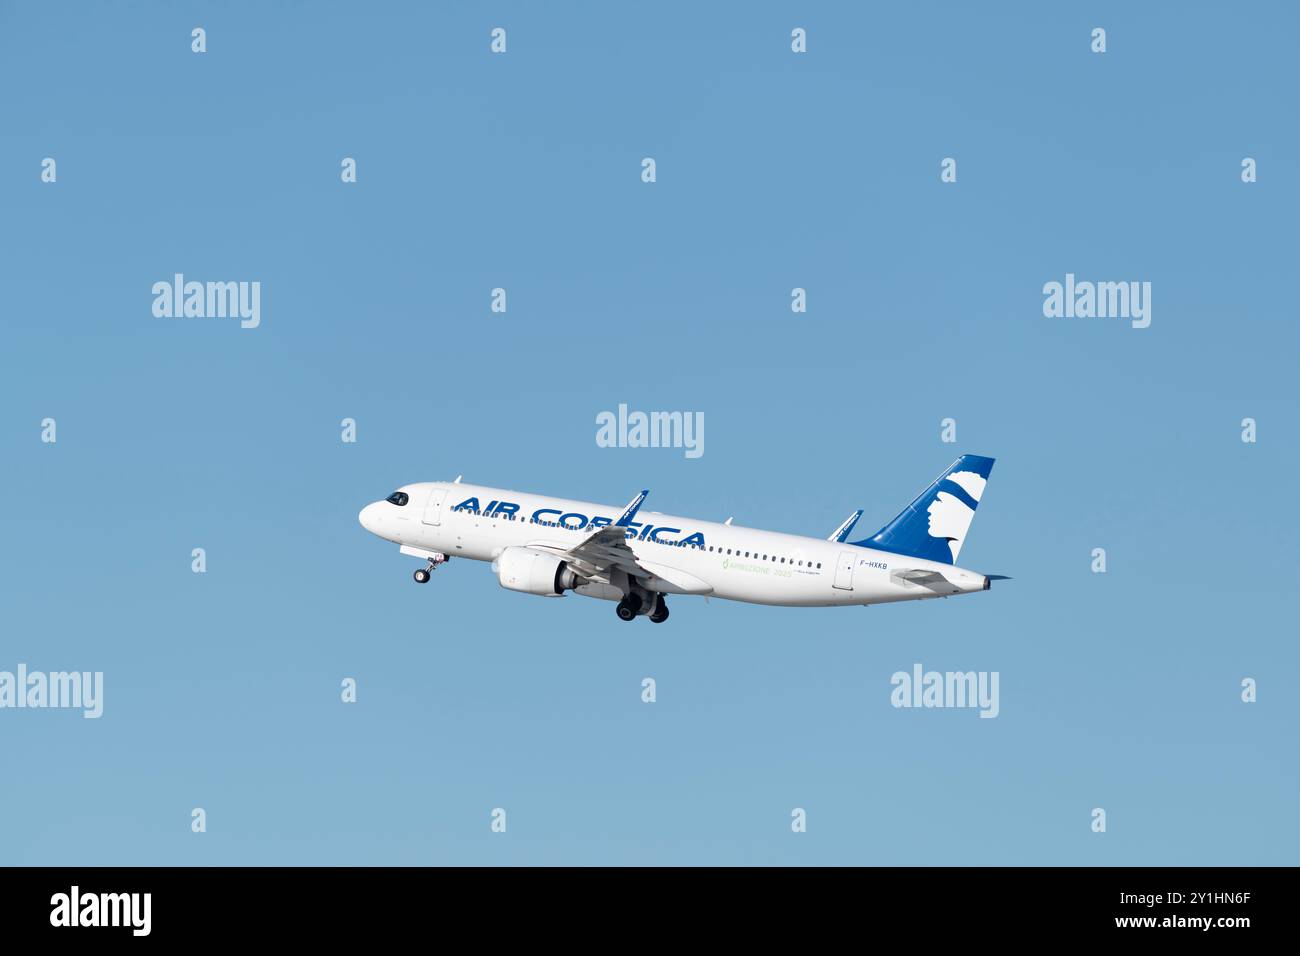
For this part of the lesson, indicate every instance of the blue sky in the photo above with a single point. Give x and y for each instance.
(774, 171)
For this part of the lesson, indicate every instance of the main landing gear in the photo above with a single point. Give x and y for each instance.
(422, 576)
(631, 606)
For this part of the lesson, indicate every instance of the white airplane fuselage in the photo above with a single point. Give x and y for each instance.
(679, 555)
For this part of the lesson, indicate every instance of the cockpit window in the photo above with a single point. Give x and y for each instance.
(398, 498)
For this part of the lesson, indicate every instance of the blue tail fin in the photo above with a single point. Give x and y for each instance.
(935, 524)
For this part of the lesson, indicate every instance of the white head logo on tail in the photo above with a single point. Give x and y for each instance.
(950, 517)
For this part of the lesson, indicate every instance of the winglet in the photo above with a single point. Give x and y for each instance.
(842, 532)
(630, 511)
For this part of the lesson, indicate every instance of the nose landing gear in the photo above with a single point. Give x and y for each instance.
(422, 576)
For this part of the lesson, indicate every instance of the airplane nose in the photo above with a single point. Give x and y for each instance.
(369, 519)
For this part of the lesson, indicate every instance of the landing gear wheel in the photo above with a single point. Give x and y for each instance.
(422, 576)
(660, 613)
(628, 608)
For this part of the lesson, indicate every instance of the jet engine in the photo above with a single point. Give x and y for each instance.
(534, 572)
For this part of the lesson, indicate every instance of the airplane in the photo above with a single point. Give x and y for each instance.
(548, 546)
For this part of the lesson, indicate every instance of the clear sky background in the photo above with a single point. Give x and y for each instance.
(775, 170)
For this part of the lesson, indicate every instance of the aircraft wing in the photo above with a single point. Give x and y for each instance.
(606, 551)
(604, 557)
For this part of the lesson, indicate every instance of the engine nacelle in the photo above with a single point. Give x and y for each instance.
(534, 572)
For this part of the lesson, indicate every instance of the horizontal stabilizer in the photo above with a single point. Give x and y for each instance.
(930, 580)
